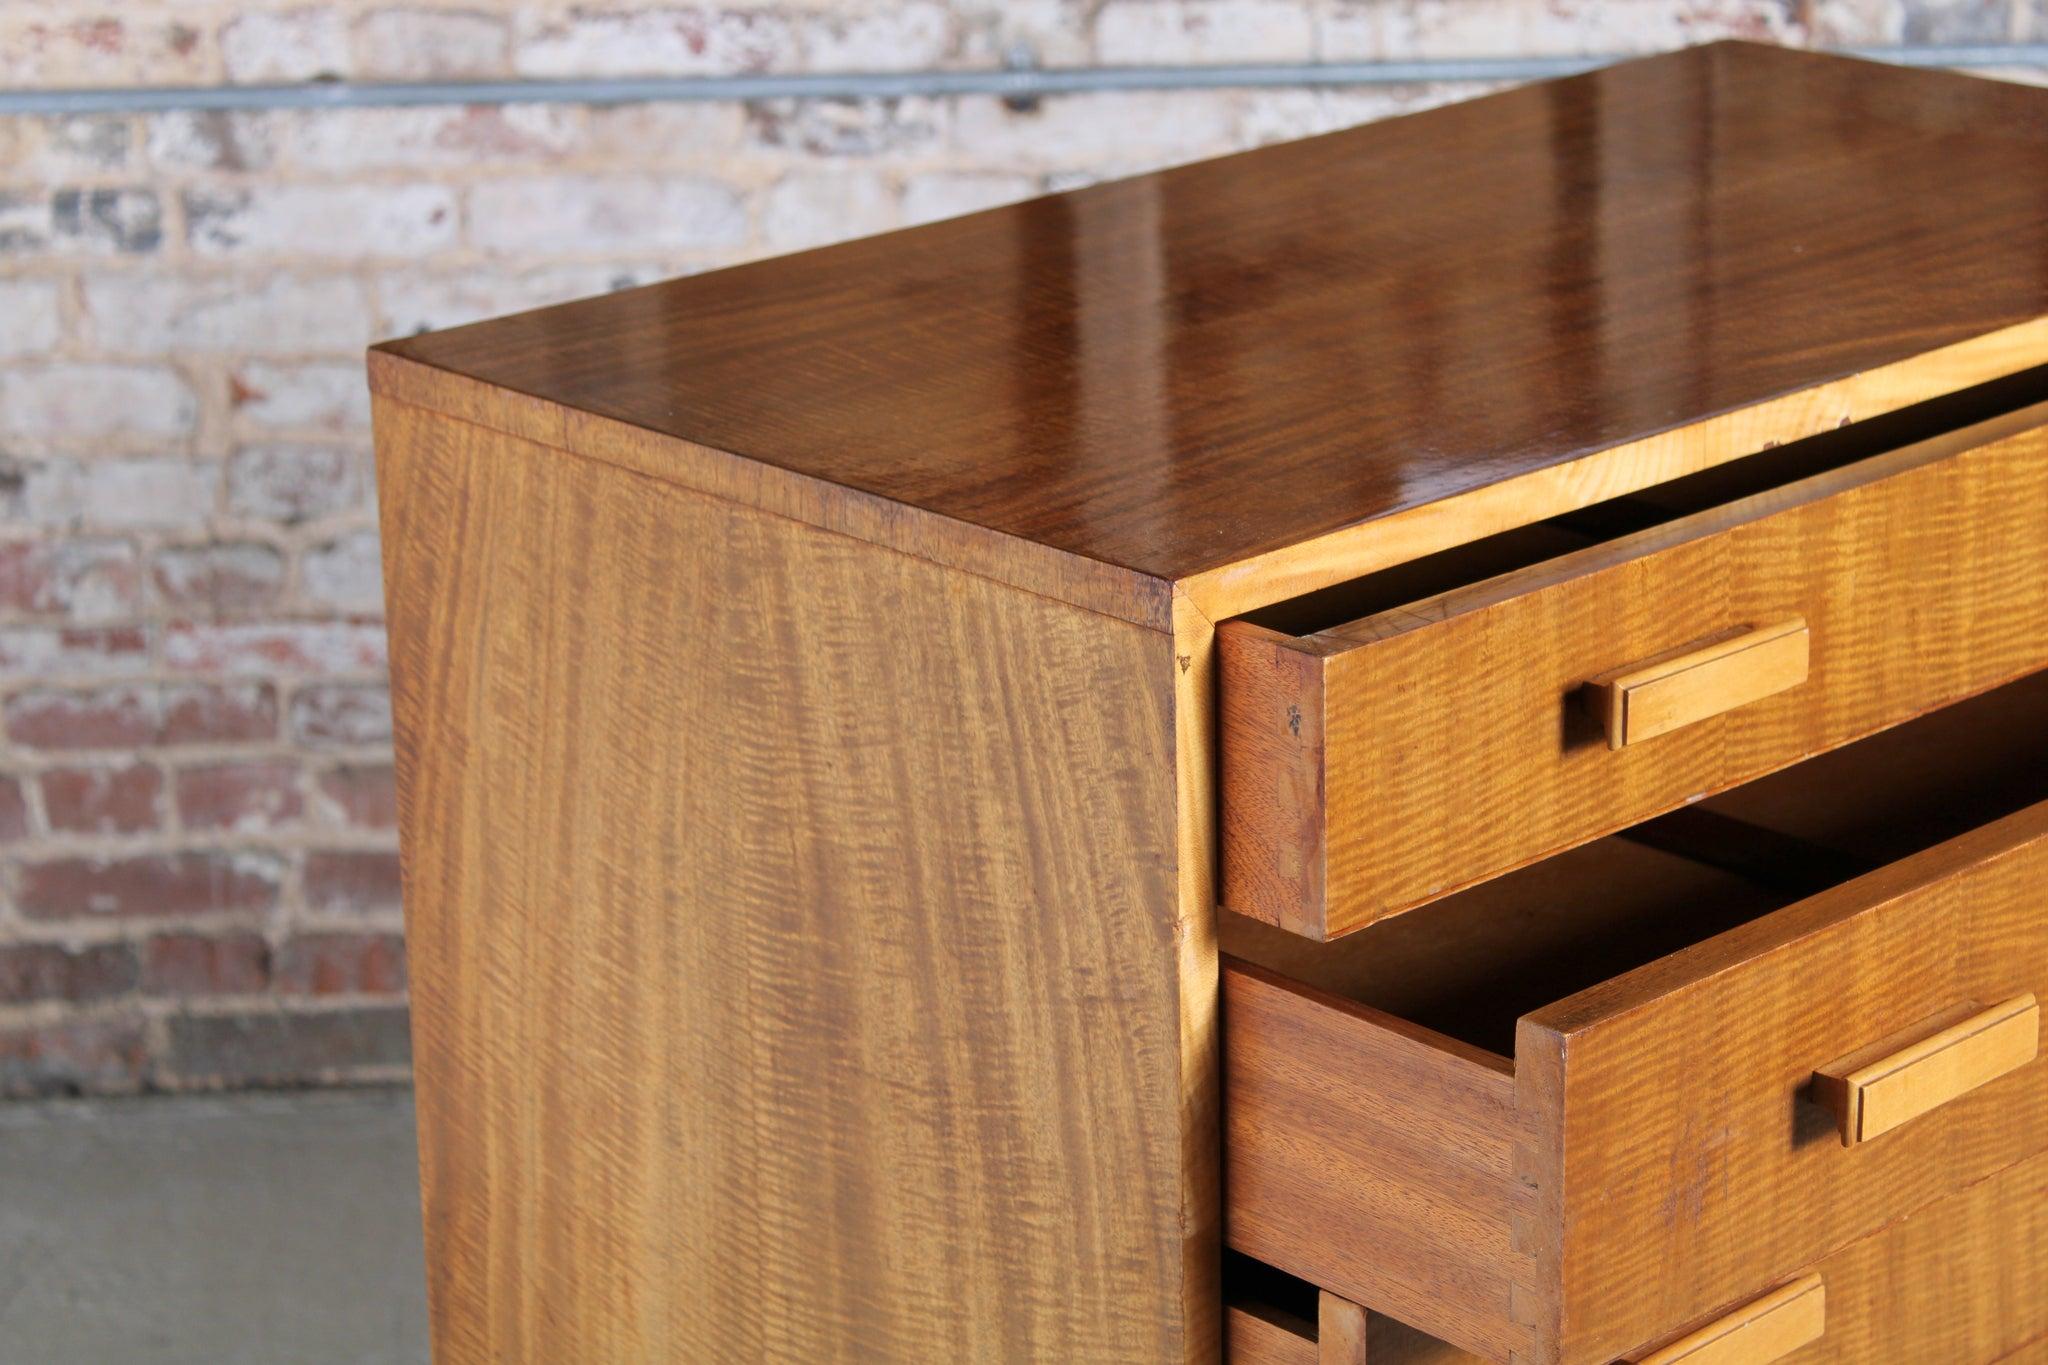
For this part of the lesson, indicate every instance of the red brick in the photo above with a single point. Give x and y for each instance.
(45, 971)
(97, 718)
(260, 647)
(352, 883)
(46, 650)
(342, 714)
(82, 578)
(189, 883)
(362, 795)
(202, 713)
(226, 577)
(258, 795)
(133, 715)
(274, 1048)
(108, 800)
(85, 1056)
(200, 964)
(13, 810)
(342, 964)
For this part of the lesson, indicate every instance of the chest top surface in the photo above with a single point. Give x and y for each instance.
(1176, 372)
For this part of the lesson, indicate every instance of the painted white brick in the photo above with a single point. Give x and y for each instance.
(810, 208)
(1279, 115)
(57, 150)
(71, 403)
(598, 214)
(1492, 28)
(676, 42)
(128, 494)
(1102, 134)
(948, 194)
(699, 132)
(291, 484)
(1046, 32)
(902, 37)
(1165, 32)
(344, 141)
(343, 574)
(1961, 21)
(284, 314)
(31, 318)
(1857, 22)
(57, 45)
(52, 492)
(424, 301)
(1350, 31)
(332, 396)
(432, 44)
(322, 220)
(295, 45)
(212, 140)
(803, 130)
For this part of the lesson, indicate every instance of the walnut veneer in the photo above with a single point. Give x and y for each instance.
(1556, 584)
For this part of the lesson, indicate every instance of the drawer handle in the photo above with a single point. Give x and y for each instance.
(1769, 1328)
(1703, 679)
(1874, 1090)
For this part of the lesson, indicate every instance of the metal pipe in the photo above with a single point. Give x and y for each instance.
(1014, 84)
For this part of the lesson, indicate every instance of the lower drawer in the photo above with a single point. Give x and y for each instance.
(1961, 1282)
(1577, 1108)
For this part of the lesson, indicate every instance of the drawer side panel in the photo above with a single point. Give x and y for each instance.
(1370, 1159)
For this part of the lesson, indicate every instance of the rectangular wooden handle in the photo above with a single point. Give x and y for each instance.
(1656, 696)
(1767, 1329)
(1874, 1090)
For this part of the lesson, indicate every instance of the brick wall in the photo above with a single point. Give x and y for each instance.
(198, 883)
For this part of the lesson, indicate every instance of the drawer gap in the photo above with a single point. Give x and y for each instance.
(1472, 964)
(1411, 584)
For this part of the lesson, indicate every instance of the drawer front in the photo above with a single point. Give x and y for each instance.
(1683, 1145)
(1963, 1281)
(1960, 1282)
(1378, 765)
(1661, 1145)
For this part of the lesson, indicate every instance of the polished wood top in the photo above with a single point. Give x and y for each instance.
(1177, 372)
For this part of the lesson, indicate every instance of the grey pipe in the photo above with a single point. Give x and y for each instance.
(1017, 84)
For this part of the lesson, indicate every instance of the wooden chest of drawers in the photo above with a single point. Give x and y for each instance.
(1429, 744)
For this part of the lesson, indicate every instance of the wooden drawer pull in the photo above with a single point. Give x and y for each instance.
(1659, 695)
(1886, 1084)
(1768, 1329)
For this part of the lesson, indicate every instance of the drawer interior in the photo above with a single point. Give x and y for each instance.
(1470, 965)
(1353, 603)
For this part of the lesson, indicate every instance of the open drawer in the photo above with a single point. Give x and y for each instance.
(1961, 1281)
(1416, 732)
(1562, 1114)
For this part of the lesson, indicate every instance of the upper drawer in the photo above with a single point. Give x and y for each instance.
(1563, 1115)
(1692, 642)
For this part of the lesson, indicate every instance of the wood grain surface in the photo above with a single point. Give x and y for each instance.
(795, 944)
(1687, 1164)
(1964, 1280)
(1181, 372)
(1372, 1158)
(1383, 762)
(1665, 1155)
(1760, 1332)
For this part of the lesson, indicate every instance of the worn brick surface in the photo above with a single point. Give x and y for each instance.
(122, 798)
(198, 878)
(351, 882)
(184, 965)
(342, 964)
(150, 885)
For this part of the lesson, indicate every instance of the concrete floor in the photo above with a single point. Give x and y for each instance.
(263, 1229)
